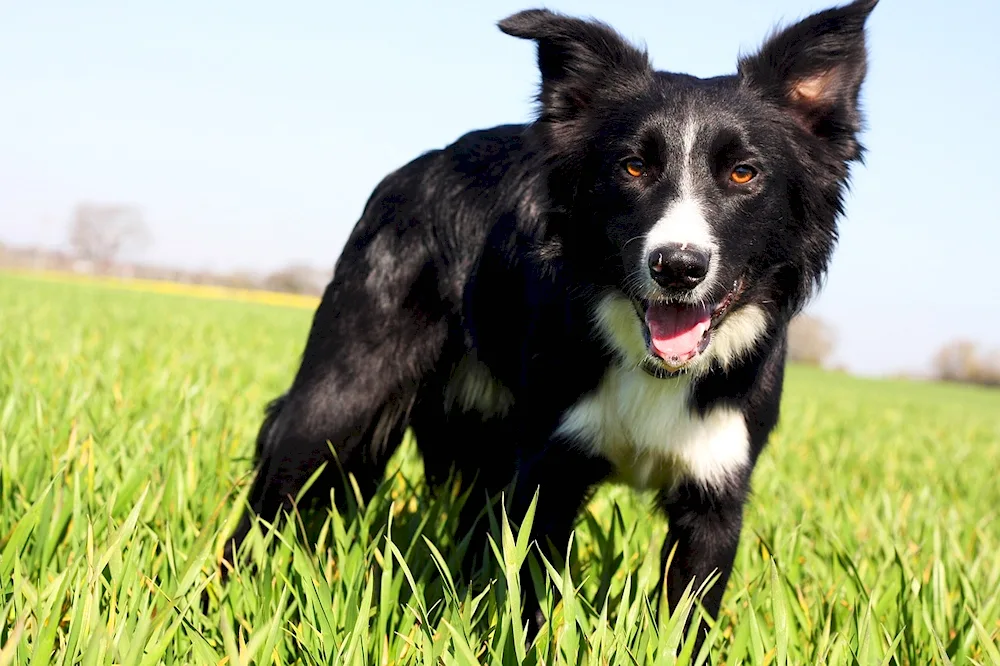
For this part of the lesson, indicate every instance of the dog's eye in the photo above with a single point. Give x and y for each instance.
(742, 174)
(634, 167)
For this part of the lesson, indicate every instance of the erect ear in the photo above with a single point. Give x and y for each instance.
(575, 58)
(814, 69)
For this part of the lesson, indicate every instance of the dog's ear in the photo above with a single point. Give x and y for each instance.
(575, 58)
(814, 70)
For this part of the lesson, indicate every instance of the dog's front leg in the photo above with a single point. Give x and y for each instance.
(704, 533)
(563, 478)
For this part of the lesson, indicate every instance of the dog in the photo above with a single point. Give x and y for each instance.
(600, 295)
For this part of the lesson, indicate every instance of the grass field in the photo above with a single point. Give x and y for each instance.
(126, 424)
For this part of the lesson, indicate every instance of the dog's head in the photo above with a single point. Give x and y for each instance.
(706, 209)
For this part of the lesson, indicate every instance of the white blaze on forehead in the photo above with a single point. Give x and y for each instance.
(688, 138)
(684, 220)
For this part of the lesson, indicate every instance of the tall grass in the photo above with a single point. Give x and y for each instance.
(126, 426)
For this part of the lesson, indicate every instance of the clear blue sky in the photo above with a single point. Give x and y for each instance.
(251, 133)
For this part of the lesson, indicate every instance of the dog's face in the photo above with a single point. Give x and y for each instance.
(706, 208)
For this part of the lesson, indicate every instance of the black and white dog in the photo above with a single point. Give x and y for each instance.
(602, 294)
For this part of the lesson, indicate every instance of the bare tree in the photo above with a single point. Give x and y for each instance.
(962, 361)
(102, 232)
(810, 340)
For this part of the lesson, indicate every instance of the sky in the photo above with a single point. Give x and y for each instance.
(250, 134)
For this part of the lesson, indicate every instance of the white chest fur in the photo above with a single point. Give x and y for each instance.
(647, 429)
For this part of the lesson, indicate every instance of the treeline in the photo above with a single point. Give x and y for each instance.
(293, 279)
(101, 237)
(966, 362)
(811, 341)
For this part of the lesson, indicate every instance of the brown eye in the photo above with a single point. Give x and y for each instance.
(742, 174)
(634, 167)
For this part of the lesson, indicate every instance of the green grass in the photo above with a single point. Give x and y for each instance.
(127, 422)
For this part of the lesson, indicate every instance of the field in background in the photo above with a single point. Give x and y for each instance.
(210, 291)
(126, 424)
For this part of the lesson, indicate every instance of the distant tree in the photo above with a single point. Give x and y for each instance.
(296, 279)
(810, 340)
(962, 361)
(102, 232)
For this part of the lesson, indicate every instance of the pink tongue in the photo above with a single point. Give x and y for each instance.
(676, 330)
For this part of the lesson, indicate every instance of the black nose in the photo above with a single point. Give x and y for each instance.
(678, 266)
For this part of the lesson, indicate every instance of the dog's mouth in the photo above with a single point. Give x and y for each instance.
(677, 333)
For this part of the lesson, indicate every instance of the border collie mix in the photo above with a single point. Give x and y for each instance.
(602, 294)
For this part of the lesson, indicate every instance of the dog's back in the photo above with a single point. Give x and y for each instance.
(436, 209)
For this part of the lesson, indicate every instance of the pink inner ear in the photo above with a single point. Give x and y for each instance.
(816, 90)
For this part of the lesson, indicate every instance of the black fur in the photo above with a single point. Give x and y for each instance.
(493, 253)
